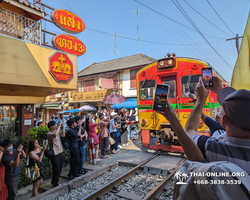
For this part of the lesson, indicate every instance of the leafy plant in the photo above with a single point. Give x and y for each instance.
(22, 178)
(38, 133)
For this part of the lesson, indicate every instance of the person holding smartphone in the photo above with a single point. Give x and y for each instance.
(55, 144)
(11, 161)
(36, 156)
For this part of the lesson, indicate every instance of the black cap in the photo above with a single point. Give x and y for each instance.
(224, 93)
(236, 105)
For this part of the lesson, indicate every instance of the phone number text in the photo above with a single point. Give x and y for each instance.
(217, 182)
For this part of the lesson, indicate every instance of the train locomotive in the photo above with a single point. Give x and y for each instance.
(181, 74)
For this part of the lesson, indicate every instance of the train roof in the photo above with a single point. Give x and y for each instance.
(214, 70)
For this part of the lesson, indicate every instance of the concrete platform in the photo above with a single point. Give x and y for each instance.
(47, 186)
(135, 158)
(161, 165)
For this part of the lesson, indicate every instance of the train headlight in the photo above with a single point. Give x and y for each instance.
(166, 63)
(170, 62)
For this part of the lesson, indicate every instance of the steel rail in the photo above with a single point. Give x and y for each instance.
(158, 189)
(109, 186)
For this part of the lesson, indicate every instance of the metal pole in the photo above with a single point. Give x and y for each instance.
(237, 42)
(63, 101)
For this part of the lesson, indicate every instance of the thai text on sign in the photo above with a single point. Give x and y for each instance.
(91, 95)
(68, 21)
(69, 44)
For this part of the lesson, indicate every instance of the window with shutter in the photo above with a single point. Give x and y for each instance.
(89, 85)
(133, 73)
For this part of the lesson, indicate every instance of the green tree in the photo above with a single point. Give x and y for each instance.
(38, 133)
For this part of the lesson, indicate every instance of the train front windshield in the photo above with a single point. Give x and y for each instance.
(147, 89)
(187, 87)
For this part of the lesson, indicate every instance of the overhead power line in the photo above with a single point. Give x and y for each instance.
(197, 48)
(193, 24)
(205, 17)
(174, 20)
(135, 39)
(67, 5)
(153, 42)
(220, 17)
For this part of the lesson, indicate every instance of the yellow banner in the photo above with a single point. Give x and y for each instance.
(92, 95)
(241, 73)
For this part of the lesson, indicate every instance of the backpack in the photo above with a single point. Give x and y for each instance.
(65, 141)
(240, 189)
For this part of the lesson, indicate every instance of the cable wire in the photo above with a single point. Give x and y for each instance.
(220, 17)
(174, 20)
(193, 24)
(205, 18)
(135, 39)
(200, 50)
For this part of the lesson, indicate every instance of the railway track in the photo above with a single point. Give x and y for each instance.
(113, 188)
(157, 191)
(108, 187)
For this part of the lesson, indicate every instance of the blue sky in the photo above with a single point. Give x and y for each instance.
(158, 34)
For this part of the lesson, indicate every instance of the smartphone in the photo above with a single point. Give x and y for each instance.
(207, 77)
(161, 96)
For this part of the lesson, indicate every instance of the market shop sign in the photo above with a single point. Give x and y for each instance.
(67, 21)
(91, 95)
(69, 44)
(106, 83)
(28, 116)
(60, 67)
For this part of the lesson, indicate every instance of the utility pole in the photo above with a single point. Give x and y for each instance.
(237, 41)
(137, 17)
(115, 36)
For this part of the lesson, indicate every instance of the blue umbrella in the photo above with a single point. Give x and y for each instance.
(72, 111)
(130, 103)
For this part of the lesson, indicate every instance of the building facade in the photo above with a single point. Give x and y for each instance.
(28, 67)
(98, 80)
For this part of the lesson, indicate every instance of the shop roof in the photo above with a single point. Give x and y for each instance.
(117, 64)
(31, 9)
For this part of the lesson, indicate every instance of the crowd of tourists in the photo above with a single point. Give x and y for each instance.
(75, 134)
(225, 150)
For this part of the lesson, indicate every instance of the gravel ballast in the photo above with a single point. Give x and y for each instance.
(96, 183)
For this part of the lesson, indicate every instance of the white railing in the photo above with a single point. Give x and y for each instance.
(18, 26)
(34, 3)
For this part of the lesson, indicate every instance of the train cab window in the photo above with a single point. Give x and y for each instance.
(147, 89)
(188, 86)
(171, 83)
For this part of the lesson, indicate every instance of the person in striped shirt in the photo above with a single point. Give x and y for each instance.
(234, 118)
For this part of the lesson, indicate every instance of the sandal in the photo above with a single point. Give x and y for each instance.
(105, 157)
(114, 152)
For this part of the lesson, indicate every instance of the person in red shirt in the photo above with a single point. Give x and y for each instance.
(91, 130)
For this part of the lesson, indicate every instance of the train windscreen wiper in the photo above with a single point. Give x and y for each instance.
(187, 89)
(144, 82)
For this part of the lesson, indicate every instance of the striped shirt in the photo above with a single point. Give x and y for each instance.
(230, 149)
